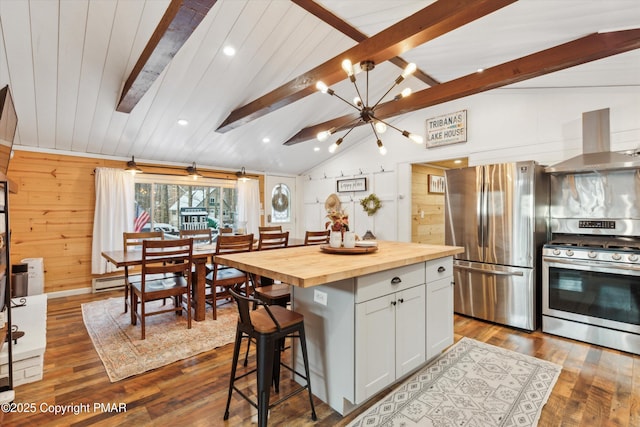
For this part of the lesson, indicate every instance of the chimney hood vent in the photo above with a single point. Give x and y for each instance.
(596, 152)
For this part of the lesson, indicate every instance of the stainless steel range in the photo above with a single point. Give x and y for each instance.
(591, 282)
(591, 267)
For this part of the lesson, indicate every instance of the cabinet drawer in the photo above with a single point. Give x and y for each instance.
(389, 281)
(439, 268)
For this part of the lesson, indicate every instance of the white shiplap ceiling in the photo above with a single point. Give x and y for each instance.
(66, 62)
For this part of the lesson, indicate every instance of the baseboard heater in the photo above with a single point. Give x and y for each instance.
(102, 284)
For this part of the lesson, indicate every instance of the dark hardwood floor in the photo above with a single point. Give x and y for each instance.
(597, 386)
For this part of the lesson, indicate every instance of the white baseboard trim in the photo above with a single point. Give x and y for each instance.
(60, 294)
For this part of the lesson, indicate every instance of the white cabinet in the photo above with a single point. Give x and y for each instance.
(439, 308)
(390, 328)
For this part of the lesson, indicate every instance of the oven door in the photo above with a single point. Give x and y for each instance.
(592, 292)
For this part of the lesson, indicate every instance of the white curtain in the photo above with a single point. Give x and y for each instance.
(114, 214)
(249, 205)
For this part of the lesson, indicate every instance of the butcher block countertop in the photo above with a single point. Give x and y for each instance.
(306, 266)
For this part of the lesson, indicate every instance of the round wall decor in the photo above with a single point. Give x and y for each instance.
(371, 204)
(279, 201)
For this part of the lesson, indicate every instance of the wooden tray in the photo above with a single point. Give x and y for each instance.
(348, 251)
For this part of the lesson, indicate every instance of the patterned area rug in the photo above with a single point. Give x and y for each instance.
(472, 384)
(124, 354)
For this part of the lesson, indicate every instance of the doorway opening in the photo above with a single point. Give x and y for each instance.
(427, 199)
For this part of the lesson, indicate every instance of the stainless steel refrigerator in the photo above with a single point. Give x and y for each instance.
(499, 215)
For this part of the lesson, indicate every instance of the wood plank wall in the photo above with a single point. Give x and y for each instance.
(51, 215)
(430, 228)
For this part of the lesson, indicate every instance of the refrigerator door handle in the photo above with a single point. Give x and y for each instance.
(481, 216)
(494, 272)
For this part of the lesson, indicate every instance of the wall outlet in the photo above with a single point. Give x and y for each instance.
(320, 297)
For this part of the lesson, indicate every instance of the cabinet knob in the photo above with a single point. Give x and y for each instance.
(441, 269)
(401, 300)
(396, 280)
(393, 303)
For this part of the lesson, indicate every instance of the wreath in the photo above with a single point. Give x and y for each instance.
(371, 204)
(280, 201)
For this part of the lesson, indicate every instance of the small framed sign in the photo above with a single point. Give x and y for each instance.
(447, 129)
(436, 184)
(355, 184)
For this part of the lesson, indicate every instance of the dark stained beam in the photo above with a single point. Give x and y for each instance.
(427, 24)
(351, 31)
(176, 26)
(586, 49)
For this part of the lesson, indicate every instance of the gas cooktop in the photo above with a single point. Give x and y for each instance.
(618, 243)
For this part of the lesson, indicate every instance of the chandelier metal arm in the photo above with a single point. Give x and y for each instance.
(358, 91)
(389, 124)
(373, 128)
(341, 98)
(395, 83)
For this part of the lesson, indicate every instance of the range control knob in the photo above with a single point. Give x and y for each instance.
(592, 254)
(616, 257)
(556, 251)
(633, 257)
(569, 252)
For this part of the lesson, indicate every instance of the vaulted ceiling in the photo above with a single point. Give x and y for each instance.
(113, 77)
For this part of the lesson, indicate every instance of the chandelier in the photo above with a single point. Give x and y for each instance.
(365, 109)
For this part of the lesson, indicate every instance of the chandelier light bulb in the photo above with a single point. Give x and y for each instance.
(334, 146)
(405, 92)
(381, 148)
(416, 138)
(357, 101)
(322, 87)
(322, 136)
(347, 66)
(409, 69)
(381, 127)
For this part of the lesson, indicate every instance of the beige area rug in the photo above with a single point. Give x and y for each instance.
(472, 384)
(124, 354)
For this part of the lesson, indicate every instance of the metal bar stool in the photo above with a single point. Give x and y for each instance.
(268, 325)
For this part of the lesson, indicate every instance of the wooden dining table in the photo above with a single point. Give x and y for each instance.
(201, 253)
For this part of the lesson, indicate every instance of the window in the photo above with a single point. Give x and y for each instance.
(174, 203)
(280, 207)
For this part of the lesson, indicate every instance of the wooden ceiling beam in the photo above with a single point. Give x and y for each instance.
(351, 31)
(433, 21)
(176, 26)
(586, 49)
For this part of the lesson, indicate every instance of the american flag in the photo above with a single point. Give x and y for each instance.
(142, 217)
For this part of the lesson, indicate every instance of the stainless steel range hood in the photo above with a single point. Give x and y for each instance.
(596, 152)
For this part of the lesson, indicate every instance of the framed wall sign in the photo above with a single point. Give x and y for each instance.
(355, 184)
(447, 129)
(436, 184)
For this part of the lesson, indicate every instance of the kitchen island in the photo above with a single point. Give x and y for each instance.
(371, 319)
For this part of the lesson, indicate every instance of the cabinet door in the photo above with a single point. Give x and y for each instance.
(410, 330)
(439, 316)
(375, 346)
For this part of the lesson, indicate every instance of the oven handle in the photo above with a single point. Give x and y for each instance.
(494, 272)
(591, 264)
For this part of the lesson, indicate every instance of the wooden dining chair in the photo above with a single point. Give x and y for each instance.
(270, 229)
(317, 237)
(166, 273)
(225, 230)
(222, 277)
(200, 237)
(133, 240)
